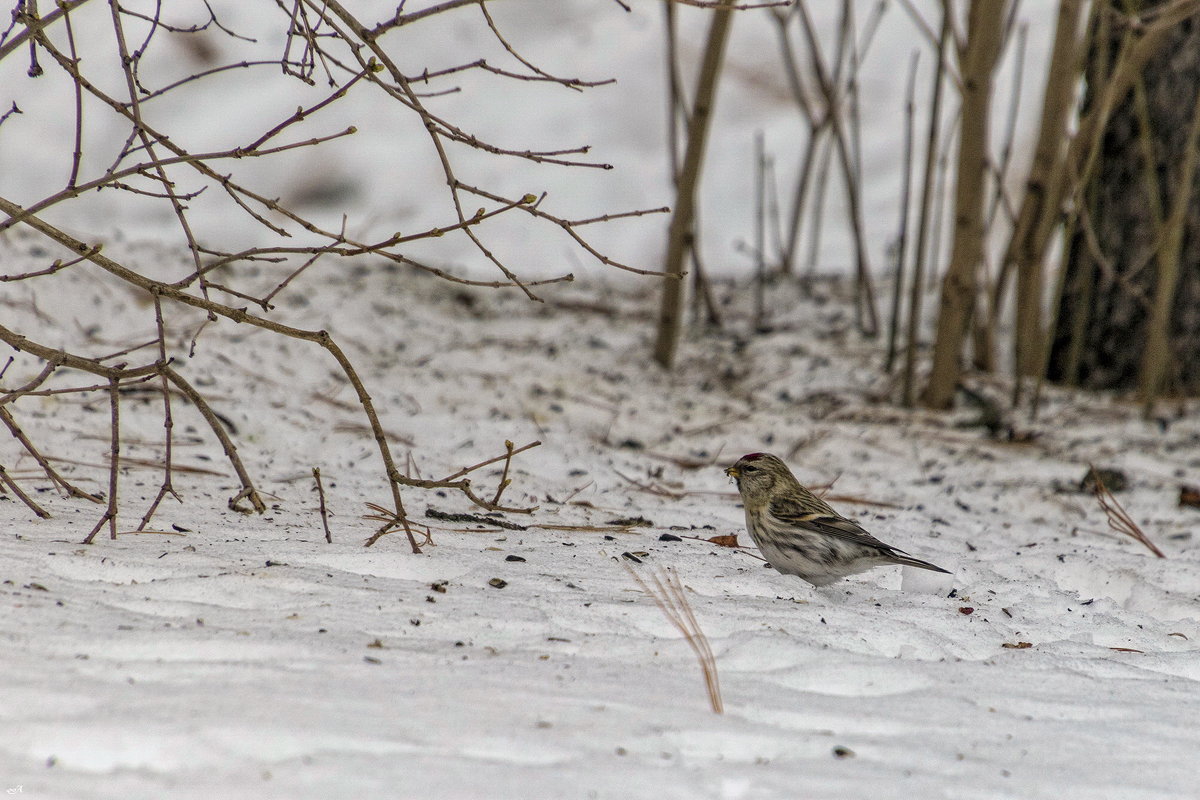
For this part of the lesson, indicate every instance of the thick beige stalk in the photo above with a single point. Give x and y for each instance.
(985, 24)
(1158, 347)
(680, 233)
(1039, 211)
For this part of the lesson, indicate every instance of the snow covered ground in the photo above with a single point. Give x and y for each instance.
(242, 656)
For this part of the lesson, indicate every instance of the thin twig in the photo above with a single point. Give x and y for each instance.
(924, 234)
(165, 488)
(508, 454)
(504, 481)
(8, 481)
(58, 480)
(901, 245)
(114, 462)
(316, 472)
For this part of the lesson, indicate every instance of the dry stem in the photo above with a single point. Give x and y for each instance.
(669, 595)
(1118, 519)
(321, 496)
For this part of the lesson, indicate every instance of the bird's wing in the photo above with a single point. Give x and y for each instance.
(790, 512)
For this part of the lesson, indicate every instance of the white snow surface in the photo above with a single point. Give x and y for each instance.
(243, 656)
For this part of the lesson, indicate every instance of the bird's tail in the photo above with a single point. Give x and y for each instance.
(900, 557)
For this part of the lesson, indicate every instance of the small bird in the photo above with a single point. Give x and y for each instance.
(799, 533)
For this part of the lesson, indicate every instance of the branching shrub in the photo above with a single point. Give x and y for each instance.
(112, 69)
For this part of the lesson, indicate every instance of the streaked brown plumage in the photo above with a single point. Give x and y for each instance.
(799, 533)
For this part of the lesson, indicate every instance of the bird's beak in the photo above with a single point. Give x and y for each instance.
(733, 472)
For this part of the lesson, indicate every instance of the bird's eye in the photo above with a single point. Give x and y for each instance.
(749, 468)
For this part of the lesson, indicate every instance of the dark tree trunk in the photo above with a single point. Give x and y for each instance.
(1116, 247)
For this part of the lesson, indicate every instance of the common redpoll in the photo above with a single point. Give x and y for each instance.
(799, 533)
